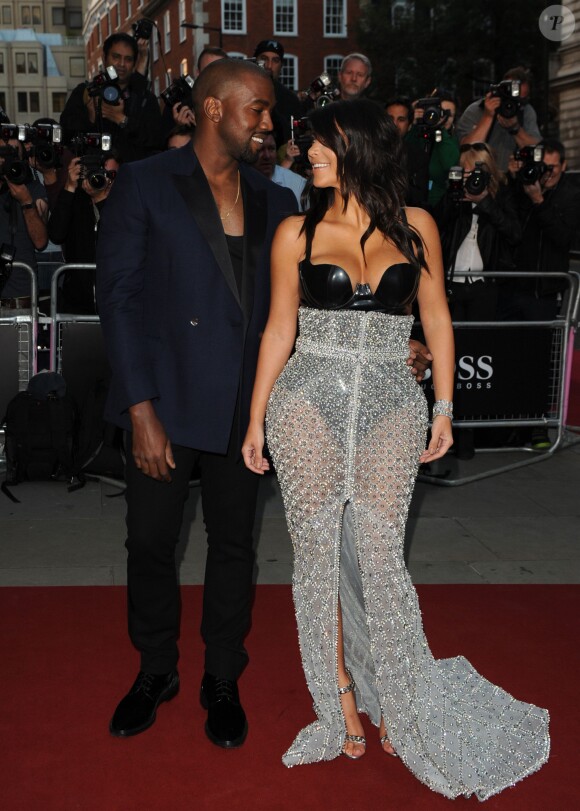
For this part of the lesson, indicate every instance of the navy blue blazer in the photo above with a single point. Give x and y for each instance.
(176, 330)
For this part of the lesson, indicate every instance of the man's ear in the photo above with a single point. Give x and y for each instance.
(213, 109)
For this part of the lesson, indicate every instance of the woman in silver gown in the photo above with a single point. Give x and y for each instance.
(346, 426)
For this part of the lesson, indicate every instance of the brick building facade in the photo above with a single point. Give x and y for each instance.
(316, 34)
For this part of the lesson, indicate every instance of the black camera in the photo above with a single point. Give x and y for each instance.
(460, 182)
(89, 143)
(13, 167)
(533, 167)
(142, 29)
(179, 91)
(93, 170)
(322, 90)
(301, 134)
(13, 132)
(433, 118)
(47, 145)
(509, 93)
(105, 86)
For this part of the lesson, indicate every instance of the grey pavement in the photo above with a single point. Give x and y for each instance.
(521, 526)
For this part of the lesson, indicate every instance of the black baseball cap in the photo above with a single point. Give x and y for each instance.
(269, 45)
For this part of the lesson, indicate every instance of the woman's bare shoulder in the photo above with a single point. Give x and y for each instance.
(289, 234)
(421, 220)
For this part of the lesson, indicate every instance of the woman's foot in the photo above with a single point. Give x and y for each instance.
(355, 743)
(384, 739)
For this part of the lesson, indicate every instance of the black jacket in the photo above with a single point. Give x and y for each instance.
(498, 229)
(548, 232)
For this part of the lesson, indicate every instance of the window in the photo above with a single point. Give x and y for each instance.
(289, 72)
(166, 32)
(35, 102)
(26, 19)
(332, 65)
(22, 102)
(57, 15)
(335, 18)
(32, 62)
(156, 87)
(75, 18)
(109, 22)
(234, 16)
(168, 77)
(3, 100)
(183, 68)
(99, 32)
(20, 62)
(156, 44)
(118, 13)
(6, 15)
(2, 62)
(129, 9)
(285, 17)
(58, 102)
(77, 67)
(36, 20)
(181, 19)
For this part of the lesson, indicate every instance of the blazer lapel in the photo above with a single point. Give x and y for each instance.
(197, 194)
(255, 222)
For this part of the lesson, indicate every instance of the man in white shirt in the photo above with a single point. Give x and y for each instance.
(267, 165)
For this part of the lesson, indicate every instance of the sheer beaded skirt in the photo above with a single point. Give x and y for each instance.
(346, 424)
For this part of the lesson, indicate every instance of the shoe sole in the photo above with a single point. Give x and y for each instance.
(235, 743)
(170, 693)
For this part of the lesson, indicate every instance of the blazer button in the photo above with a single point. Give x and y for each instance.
(194, 322)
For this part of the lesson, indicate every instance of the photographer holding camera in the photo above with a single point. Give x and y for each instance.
(23, 215)
(479, 229)
(74, 221)
(548, 206)
(121, 106)
(504, 119)
(432, 133)
(270, 55)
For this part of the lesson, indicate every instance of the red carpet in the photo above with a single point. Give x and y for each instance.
(66, 661)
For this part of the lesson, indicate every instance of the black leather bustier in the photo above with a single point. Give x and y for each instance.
(328, 287)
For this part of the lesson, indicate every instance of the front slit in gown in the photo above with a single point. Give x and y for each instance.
(346, 424)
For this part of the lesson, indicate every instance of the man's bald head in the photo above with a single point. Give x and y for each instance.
(217, 79)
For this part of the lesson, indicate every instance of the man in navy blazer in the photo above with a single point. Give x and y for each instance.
(183, 294)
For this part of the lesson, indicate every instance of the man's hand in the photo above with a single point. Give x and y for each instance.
(151, 447)
(514, 166)
(475, 198)
(20, 192)
(113, 112)
(74, 172)
(419, 359)
(490, 105)
(182, 114)
(534, 192)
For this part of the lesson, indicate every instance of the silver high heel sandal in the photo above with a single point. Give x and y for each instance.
(385, 739)
(360, 739)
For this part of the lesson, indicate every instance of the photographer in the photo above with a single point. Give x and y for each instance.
(516, 127)
(134, 121)
(74, 222)
(548, 206)
(479, 229)
(23, 214)
(400, 110)
(271, 53)
(432, 133)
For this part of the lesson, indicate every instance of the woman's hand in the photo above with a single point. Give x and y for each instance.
(440, 442)
(253, 449)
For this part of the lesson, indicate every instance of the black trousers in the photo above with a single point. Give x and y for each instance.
(154, 518)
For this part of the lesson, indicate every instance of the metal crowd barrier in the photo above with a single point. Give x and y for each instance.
(534, 361)
(18, 331)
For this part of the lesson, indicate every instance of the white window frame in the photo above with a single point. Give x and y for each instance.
(282, 32)
(156, 88)
(166, 32)
(335, 58)
(290, 59)
(155, 46)
(184, 67)
(325, 12)
(99, 32)
(181, 15)
(242, 5)
(129, 9)
(118, 4)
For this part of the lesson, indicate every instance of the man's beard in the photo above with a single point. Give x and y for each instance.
(249, 154)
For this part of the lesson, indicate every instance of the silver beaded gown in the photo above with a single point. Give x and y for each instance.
(346, 424)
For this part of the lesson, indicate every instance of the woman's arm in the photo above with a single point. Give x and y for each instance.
(279, 335)
(438, 330)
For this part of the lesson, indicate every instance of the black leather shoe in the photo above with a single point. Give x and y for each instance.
(226, 723)
(136, 712)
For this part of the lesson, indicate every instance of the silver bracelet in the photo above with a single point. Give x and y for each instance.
(443, 408)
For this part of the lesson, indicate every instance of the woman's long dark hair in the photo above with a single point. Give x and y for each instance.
(371, 168)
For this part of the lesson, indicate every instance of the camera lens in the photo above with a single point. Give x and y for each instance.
(97, 180)
(111, 94)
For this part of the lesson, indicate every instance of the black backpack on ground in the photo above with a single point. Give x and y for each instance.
(100, 446)
(40, 434)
